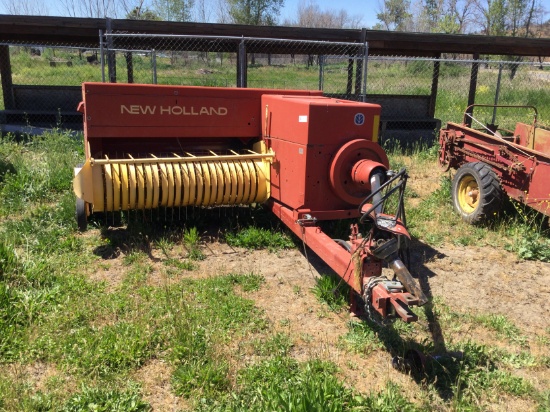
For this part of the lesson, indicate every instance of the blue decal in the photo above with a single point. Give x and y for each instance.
(359, 119)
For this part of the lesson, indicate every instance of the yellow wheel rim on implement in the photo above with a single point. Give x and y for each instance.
(468, 194)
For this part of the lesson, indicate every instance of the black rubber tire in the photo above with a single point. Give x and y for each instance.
(81, 214)
(476, 192)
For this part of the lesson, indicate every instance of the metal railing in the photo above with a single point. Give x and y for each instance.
(415, 93)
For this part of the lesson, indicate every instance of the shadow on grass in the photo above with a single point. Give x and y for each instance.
(427, 362)
(126, 232)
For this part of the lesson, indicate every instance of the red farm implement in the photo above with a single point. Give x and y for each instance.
(308, 158)
(492, 162)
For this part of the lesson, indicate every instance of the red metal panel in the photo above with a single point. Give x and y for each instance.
(327, 249)
(306, 134)
(152, 112)
(145, 111)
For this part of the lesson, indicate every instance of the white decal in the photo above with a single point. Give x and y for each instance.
(174, 110)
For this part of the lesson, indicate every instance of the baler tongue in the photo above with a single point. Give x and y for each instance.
(388, 252)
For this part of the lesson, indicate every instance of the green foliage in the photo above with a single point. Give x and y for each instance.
(173, 10)
(40, 224)
(544, 402)
(199, 329)
(259, 238)
(332, 291)
(97, 333)
(394, 14)
(107, 350)
(361, 338)
(11, 321)
(532, 245)
(106, 400)
(277, 345)
(530, 232)
(257, 13)
(283, 384)
(436, 205)
(9, 262)
(39, 169)
(475, 373)
(191, 239)
(16, 396)
(503, 327)
(180, 264)
(248, 282)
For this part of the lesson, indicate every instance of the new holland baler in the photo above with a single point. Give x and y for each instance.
(308, 158)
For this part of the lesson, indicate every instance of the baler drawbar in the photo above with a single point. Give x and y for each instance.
(308, 158)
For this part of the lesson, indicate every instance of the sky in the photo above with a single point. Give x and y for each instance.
(365, 9)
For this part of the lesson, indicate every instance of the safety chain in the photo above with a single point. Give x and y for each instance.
(373, 281)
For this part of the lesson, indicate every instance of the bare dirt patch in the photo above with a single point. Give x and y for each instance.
(155, 377)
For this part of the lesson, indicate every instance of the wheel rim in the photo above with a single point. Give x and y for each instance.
(468, 194)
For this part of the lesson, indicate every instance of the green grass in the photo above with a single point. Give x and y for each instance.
(259, 238)
(503, 327)
(333, 291)
(107, 400)
(93, 310)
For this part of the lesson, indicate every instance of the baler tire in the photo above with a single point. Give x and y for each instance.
(476, 192)
(81, 215)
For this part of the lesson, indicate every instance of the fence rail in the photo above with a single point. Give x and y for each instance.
(415, 93)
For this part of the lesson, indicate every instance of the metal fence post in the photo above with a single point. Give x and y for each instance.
(129, 66)
(101, 56)
(473, 86)
(111, 57)
(241, 64)
(154, 65)
(360, 57)
(435, 83)
(350, 78)
(497, 92)
(6, 75)
(365, 63)
(321, 72)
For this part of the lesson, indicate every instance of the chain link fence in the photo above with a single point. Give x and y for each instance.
(335, 68)
(416, 94)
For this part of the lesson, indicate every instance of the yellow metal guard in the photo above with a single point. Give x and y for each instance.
(133, 184)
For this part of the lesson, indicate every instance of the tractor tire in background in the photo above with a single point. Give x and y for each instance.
(476, 191)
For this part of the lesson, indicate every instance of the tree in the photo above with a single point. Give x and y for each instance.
(25, 7)
(203, 11)
(458, 17)
(394, 15)
(90, 8)
(311, 15)
(493, 17)
(515, 18)
(174, 10)
(142, 14)
(137, 10)
(255, 12)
